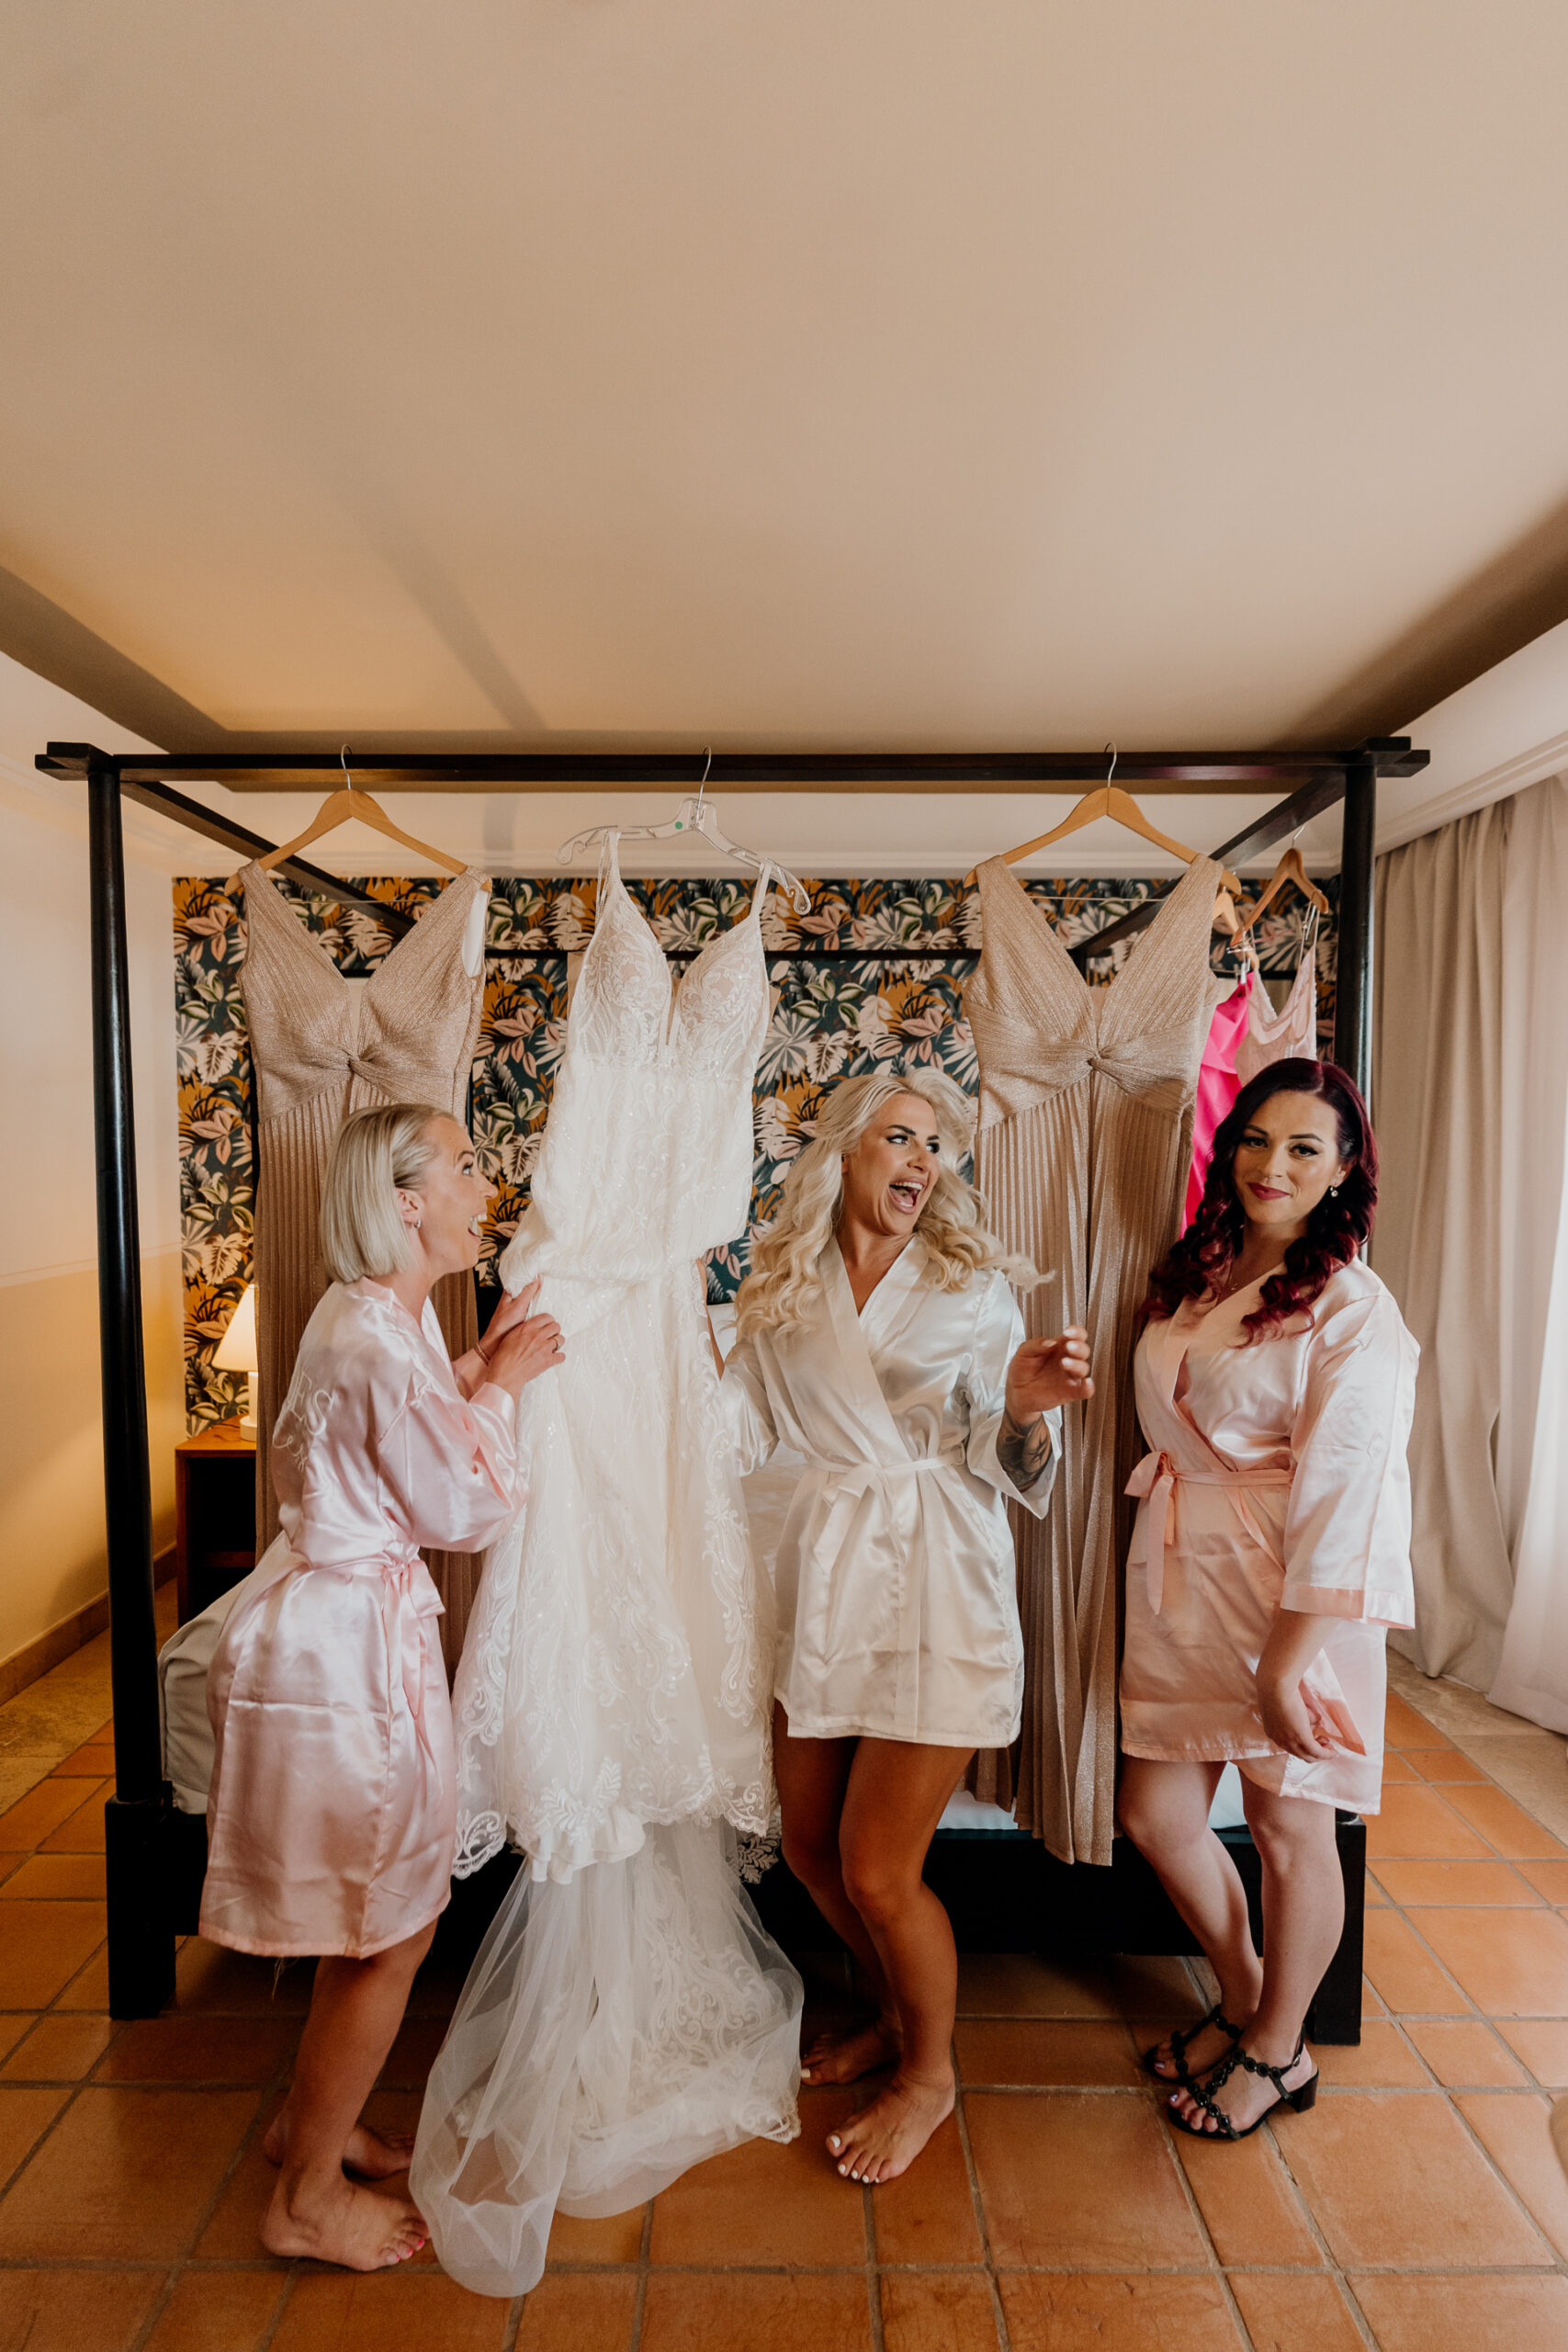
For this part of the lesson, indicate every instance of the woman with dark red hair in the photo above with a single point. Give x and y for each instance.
(1275, 1381)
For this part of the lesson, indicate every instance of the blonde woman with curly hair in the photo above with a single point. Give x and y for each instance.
(879, 1337)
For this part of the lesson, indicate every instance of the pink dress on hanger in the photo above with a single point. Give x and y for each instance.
(1272, 1036)
(1217, 1084)
(1278, 1480)
(333, 1814)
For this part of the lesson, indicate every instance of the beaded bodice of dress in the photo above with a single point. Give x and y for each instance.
(322, 1047)
(1038, 1027)
(646, 1157)
(407, 1032)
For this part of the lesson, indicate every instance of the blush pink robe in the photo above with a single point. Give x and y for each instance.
(332, 1818)
(1278, 1479)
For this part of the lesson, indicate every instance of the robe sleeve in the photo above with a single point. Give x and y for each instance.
(1347, 1524)
(448, 1467)
(743, 1392)
(998, 1335)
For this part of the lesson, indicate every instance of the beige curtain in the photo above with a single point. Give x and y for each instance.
(1471, 1099)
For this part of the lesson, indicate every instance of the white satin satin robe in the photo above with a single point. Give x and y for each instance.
(1277, 1479)
(331, 1816)
(894, 1582)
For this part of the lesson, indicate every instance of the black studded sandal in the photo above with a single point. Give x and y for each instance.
(1181, 2041)
(1299, 2099)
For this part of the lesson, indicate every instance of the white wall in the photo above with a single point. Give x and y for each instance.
(52, 1518)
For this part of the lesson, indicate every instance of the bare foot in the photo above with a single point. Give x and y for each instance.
(885, 2138)
(845, 2057)
(355, 2227)
(373, 2156)
(1242, 2096)
(1204, 2050)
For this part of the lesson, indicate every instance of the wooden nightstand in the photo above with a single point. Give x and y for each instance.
(215, 1514)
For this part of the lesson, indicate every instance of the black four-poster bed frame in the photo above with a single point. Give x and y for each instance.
(1006, 1892)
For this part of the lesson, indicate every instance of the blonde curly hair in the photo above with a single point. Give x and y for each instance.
(785, 1281)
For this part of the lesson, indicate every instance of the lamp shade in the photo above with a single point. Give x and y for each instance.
(237, 1348)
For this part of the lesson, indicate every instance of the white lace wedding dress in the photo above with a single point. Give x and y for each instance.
(628, 2014)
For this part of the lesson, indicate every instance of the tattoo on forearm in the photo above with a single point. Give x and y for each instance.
(1024, 1452)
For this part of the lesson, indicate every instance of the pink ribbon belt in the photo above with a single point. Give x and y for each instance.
(403, 1615)
(1154, 1482)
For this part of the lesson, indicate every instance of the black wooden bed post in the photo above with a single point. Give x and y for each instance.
(1353, 984)
(141, 1936)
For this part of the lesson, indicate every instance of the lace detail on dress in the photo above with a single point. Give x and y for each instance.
(613, 1699)
(755, 1856)
(615, 2031)
(618, 1666)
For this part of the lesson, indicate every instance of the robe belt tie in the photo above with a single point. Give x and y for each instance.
(847, 1484)
(405, 1610)
(1154, 1482)
(857, 1479)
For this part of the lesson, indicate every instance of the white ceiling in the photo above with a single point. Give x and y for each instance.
(1018, 372)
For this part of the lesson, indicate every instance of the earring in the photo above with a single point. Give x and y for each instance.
(1334, 1192)
(416, 1224)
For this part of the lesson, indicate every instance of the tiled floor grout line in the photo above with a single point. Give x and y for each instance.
(159, 2306)
(1315, 2231)
(1559, 2260)
(1558, 2263)
(259, 2266)
(644, 2269)
(203, 2219)
(286, 2289)
(1156, 2101)
(872, 2263)
(981, 2220)
(50, 2010)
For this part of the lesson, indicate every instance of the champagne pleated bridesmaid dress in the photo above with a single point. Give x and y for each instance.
(1084, 1143)
(323, 1046)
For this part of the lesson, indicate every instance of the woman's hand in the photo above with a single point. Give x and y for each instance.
(508, 1314)
(1047, 1372)
(529, 1344)
(1287, 1721)
(1290, 1719)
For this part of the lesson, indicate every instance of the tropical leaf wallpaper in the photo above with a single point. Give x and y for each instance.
(873, 974)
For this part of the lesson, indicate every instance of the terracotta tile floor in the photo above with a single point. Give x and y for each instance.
(1419, 2209)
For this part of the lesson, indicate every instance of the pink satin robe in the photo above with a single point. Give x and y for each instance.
(1278, 1479)
(332, 1818)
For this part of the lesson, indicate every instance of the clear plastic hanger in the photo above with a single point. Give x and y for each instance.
(694, 815)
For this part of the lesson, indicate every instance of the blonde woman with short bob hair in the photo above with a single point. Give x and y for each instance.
(879, 1337)
(331, 1817)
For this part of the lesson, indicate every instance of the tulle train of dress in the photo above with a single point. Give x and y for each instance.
(616, 2028)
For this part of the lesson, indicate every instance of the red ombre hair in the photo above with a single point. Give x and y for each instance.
(1338, 1227)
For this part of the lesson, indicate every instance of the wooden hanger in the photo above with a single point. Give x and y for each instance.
(1289, 869)
(337, 810)
(1107, 799)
